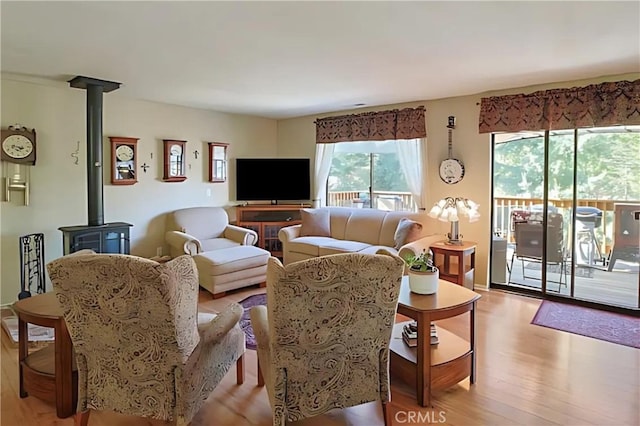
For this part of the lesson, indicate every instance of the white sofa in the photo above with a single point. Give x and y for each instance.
(359, 230)
(225, 254)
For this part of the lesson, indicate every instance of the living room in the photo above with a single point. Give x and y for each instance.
(43, 100)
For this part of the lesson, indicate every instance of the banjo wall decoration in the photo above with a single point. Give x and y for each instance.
(451, 169)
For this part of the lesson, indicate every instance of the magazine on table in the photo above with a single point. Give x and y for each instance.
(36, 333)
(410, 334)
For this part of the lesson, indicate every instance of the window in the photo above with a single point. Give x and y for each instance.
(368, 174)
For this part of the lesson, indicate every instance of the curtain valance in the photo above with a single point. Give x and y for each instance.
(597, 105)
(408, 123)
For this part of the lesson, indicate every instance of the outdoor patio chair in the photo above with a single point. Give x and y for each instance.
(529, 245)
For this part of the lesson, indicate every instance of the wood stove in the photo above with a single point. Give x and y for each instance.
(108, 238)
(96, 235)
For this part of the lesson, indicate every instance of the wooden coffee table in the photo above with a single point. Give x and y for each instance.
(49, 373)
(433, 367)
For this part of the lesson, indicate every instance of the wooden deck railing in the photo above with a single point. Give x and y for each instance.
(504, 205)
(383, 200)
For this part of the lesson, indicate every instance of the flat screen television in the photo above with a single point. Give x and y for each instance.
(273, 179)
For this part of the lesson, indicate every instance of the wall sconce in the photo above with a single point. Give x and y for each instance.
(450, 209)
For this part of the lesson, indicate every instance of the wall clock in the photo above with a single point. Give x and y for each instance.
(174, 160)
(217, 161)
(124, 160)
(451, 169)
(19, 145)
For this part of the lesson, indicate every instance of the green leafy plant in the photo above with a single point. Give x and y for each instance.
(423, 262)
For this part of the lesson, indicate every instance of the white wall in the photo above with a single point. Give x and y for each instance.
(297, 136)
(58, 186)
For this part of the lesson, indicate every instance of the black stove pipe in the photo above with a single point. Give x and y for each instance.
(95, 196)
(95, 193)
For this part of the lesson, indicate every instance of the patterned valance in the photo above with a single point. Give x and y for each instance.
(597, 105)
(408, 123)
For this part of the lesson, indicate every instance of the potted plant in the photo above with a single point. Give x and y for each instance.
(423, 274)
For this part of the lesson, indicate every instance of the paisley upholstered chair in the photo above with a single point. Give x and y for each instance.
(138, 346)
(323, 338)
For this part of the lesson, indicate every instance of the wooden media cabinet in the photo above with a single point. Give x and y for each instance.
(267, 220)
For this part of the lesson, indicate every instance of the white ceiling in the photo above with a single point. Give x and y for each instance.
(288, 59)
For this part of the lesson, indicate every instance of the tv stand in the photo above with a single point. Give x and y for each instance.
(267, 220)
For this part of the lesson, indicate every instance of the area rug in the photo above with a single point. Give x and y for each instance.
(602, 325)
(245, 320)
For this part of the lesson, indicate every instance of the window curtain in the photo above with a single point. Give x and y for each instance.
(597, 105)
(324, 155)
(408, 123)
(413, 170)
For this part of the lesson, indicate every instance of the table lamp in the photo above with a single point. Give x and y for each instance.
(449, 209)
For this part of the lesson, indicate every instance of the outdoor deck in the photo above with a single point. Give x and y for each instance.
(618, 287)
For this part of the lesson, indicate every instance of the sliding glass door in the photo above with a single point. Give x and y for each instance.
(588, 181)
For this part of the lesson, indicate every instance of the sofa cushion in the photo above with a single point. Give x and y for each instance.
(341, 246)
(200, 222)
(375, 249)
(392, 219)
(339, 216)
(407, 231)
(315, 222)
(307, 245)
(364, 225)
(217, 244)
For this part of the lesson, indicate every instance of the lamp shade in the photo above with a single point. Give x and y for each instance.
(450, 209)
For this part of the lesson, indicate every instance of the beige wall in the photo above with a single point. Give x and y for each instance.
(297, 136)
(57, 112)
(58, 196)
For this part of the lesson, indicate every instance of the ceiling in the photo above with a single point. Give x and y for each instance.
(289, 59)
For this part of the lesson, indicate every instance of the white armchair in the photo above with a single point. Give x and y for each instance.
(225, 254)
(200, 229)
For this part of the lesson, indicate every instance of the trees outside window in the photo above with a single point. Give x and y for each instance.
(365, 171)
(607, 160)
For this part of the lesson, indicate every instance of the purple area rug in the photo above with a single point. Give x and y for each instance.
(603, 325)
(245, 320)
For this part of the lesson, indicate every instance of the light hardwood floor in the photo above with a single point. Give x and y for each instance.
(526, 375)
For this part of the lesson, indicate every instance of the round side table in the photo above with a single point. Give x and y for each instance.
(48, 373)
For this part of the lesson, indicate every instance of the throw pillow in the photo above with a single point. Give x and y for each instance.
(407, 231)
(315, 222)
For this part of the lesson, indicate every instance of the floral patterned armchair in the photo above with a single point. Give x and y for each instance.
(323, 338)
(138, 346)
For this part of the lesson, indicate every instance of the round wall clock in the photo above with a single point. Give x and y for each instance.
(19, 145)
(451, 169)
(124, 153)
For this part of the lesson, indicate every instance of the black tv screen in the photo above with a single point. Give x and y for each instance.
(273, 179)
